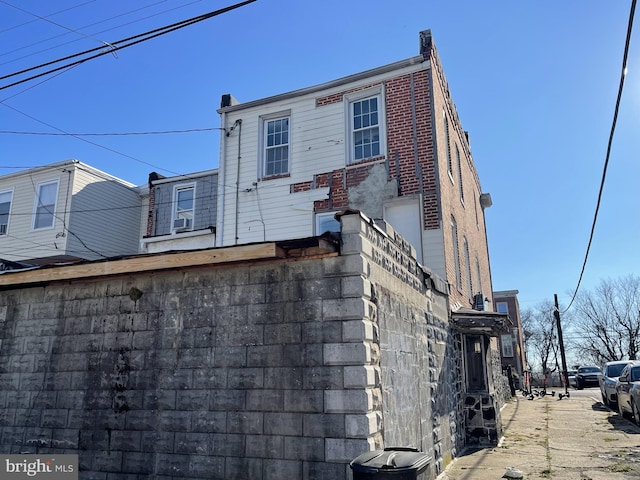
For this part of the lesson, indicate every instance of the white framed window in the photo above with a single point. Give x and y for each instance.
(365, 114)
(45, 205)
(276, 141)
(183, 207)
(326, 222)
(5, 209)
(502, 307)
(507, 345)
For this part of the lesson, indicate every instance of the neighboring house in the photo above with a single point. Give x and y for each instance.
(511, 344)
(181, 212)
(387, 142)
(65, 212)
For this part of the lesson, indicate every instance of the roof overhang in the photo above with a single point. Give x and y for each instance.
(469, 321)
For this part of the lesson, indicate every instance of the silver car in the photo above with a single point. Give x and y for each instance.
(628, 391)
(610, 373)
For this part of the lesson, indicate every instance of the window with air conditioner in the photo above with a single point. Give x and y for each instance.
(184, 204)
(5, 208)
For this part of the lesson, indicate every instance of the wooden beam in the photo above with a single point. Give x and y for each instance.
(142, 263)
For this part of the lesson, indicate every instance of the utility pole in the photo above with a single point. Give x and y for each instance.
(556, 314)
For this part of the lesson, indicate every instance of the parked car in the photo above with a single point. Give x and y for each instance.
(628, 391)
(610, 373)
(571, 378)
(587, 376)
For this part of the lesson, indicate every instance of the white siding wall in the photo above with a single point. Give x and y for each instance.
(269, 211)
(21, 241)
(105, 216)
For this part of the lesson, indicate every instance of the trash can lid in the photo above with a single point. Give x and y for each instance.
(393, 458)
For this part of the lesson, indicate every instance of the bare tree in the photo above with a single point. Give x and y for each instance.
(538, 326)
(608, 320)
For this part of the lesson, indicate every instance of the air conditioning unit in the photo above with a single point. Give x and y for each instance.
(181, 223)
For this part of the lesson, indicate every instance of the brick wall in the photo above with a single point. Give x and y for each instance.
(287, 368)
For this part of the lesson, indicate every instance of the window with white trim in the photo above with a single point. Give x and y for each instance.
(326, 222)
(45, 205)
(276, 146)
(5, 209)
(366, 126)
(183, 207)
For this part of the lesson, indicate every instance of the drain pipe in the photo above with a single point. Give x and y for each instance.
(239, 124)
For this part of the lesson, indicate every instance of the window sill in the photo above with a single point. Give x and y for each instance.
(274, 177)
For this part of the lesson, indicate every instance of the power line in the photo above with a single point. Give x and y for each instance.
(96, 33)
(606, 162)
(113, 134)
(48, 20)
(117, 45)
(47, 16)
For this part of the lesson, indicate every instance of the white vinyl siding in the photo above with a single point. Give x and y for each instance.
(104, 216)
(269, 208)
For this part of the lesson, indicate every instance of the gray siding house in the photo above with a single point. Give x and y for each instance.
(181, 212)
(65, 212)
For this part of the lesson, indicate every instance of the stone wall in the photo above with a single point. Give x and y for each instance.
(285, 368)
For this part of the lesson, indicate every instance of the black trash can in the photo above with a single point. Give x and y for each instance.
(393, 463)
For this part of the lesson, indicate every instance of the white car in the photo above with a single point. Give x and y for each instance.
(610, 373)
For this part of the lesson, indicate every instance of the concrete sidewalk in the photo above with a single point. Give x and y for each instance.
(575, 438)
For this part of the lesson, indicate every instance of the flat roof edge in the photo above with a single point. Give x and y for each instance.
(327, 85)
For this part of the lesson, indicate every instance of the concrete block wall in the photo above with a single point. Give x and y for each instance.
(254, 370)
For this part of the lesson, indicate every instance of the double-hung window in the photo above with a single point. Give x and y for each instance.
(366, 126)
(276, 146)
(5, 208)
(183, 207)
(45, 206)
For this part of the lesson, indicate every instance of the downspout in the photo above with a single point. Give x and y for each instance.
(221, 180)
(239, 124)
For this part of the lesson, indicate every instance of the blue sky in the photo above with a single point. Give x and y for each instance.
(535, 84)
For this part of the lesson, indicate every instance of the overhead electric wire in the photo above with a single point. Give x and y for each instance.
(609, 144)
(96, 33)
(47, 16)
(48, 20)
(115, 46)
(114, 134)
